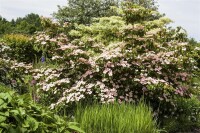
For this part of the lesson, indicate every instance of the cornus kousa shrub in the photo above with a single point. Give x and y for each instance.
(48, 45)
(115, 59)
(147, 59)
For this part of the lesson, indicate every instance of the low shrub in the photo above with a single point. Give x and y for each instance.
(3, 72)
(19, 114)
(21, 48)
(116, 118)
(14, 74)
(185, 118)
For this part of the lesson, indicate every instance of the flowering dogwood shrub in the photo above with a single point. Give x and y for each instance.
(115, 59)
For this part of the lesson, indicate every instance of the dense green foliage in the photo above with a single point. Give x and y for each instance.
(20, 47)
(5, 26)
(20, 114)
(187, 117)
(26, 25)
(149, 4)
(116, 118)
(82, 11)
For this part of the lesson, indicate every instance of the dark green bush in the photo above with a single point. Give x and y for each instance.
(4, 72)
(186, 117)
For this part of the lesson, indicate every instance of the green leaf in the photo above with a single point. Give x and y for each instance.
(1, 102)
(16, 112)
(22, 111)
(13, 130)
(33, 123)
(7, 96)
(5, 125)
(2, 118)
(3, 105)
(73, 126)
(20, 101)
(4, 114)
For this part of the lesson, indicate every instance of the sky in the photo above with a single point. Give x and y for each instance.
(19, 8)
(185, 13)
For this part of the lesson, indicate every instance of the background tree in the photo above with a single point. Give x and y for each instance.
(82, 11)
(28, 24)
(23, 25)
(150, 4)
(5, 26)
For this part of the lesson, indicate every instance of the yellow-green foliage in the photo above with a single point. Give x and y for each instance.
(21, 48)
(16, 38)
(104, 30)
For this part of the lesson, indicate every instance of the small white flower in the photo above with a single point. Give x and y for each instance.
(43, 42)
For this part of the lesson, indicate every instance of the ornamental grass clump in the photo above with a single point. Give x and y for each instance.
(116, 118)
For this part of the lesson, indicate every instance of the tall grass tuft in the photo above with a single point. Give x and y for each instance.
(116, 118)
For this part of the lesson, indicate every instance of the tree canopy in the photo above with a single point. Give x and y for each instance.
(149, 4)
(83, 11)
(24, 25)
(5, 26)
